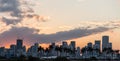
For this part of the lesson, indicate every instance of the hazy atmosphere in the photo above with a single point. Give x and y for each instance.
(46, 21)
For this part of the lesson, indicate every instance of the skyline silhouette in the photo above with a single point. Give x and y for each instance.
(72, 29)
(99, 50)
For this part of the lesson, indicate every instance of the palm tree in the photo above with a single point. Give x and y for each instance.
(57, 49)
(117, 52)
(105, 52)
(83, 50)
(40, 48)
(66, 50)
(50, 47)
(47, 51)
(90, 50)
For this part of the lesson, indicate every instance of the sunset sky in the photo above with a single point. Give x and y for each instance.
(46, 21)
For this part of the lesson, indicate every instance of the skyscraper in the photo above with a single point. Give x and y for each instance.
(109, 45)
(19, 43)
(64, 44)
(97, 45)
(73, 45)
(13, 47)
(97, 42)
(105, 41)
(89, 45)
(78, 52)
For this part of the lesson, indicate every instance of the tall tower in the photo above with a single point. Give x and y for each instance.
(89, 45)
(105, 41)
(109, 45)
(19, 43)
(64, 44)
(97, 42)
(97, 45)
(73, 45)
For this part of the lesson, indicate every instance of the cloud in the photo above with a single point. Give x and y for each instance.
(10, 6)
(18, 32)
(17, 10)
(31, 35)
(71, 34)
(9, 20)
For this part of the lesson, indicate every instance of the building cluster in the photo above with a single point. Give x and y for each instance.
(100, 51)
(97, 50)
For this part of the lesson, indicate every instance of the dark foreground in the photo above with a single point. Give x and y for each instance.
(57, 59)
(52, 60)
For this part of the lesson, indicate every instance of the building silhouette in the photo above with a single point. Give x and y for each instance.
(65, 50)
(105, 42)
(19, 43)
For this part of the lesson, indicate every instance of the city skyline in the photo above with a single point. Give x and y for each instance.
(46, 21)
(80, 41)
(99, 50)
(104, 41)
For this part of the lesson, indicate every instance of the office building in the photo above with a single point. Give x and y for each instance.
(19, 43)
(105, 41)
(89, 45)
(64, 44)
(109, 45)
(97, 44)
(72, 45)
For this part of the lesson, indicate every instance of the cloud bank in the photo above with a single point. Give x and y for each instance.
(17, 10)
(31, 35)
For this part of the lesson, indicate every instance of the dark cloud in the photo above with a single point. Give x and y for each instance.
(19, 10)
(71, 34)
(10, 6)
(9, 21)
(18, 32)
(31, 35)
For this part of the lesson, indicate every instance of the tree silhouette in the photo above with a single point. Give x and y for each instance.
(57, 48)
(40, 48)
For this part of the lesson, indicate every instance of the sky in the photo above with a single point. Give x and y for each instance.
(46, 21)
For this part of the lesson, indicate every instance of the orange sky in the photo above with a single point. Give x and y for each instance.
(81, 42)
(62, 16)
(114, 36)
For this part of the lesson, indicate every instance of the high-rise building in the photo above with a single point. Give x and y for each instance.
(13, 47)
(89, 45)
(109, 45)
(24, 48)
(78, 52)
(64, 44)
(97, 43)
(105, 41)
(2, 51)
(36, 45)
(72, 45)
(19, 43)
